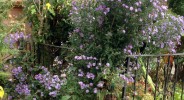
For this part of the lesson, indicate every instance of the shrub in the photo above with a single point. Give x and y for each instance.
(105, 32)
(108, 30)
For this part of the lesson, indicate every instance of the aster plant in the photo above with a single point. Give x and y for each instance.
(105, 32)
(30, 81)
(108, 30)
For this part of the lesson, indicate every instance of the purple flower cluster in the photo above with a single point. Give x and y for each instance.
(100, 84)
(77, 30)
(81, 73)
(90, 75)
(82, 85)
(152, 25)
(83, 57)
(50, 82)
(168, 33)
(91, 82)
(103, 9)
(57, 61)
(22, 89)
(89, 65)
(157, 4)
(74, 8)
(11, 39)
(53, 93)
(17, 71)
(126, 78)
(136, 7)
(128, 49)
(87, 87)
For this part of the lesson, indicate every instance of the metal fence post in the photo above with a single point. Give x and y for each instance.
(125, 83)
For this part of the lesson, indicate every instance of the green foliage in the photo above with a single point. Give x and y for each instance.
(101, 39)
(50, 25)
(4, 76)
(177, 6)
(4, 29)
(111, 34)
(67, 97)
(178, 93)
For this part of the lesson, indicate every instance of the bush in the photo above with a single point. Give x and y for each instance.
(105, 32)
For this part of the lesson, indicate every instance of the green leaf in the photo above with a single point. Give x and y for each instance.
(67, 97)
(143, 68)
(52, 12)
(33, 11)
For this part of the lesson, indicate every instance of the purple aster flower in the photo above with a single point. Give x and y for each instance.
(94, 64)
(21, 35)
(38, 77)
(53, 93)
(56, 78)
(131, 8)
(95, 90)
(44, 69)
(81, 46)
(162, 45)
(89, 65)
(83, 57)
(22, 89)
(82, 85)
(16, 71)
(77, 30)
(124, 78)
(81, 74)
(100, 84)
(100, 8)
(107, 64)
(58, 86)
(90, 84)
(100, 20)
(87, 91)
(78, 58)
(106, 10)
(131, 79)
(103, 8)
(90, 75)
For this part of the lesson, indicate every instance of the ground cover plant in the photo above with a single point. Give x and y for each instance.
(79, 48)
